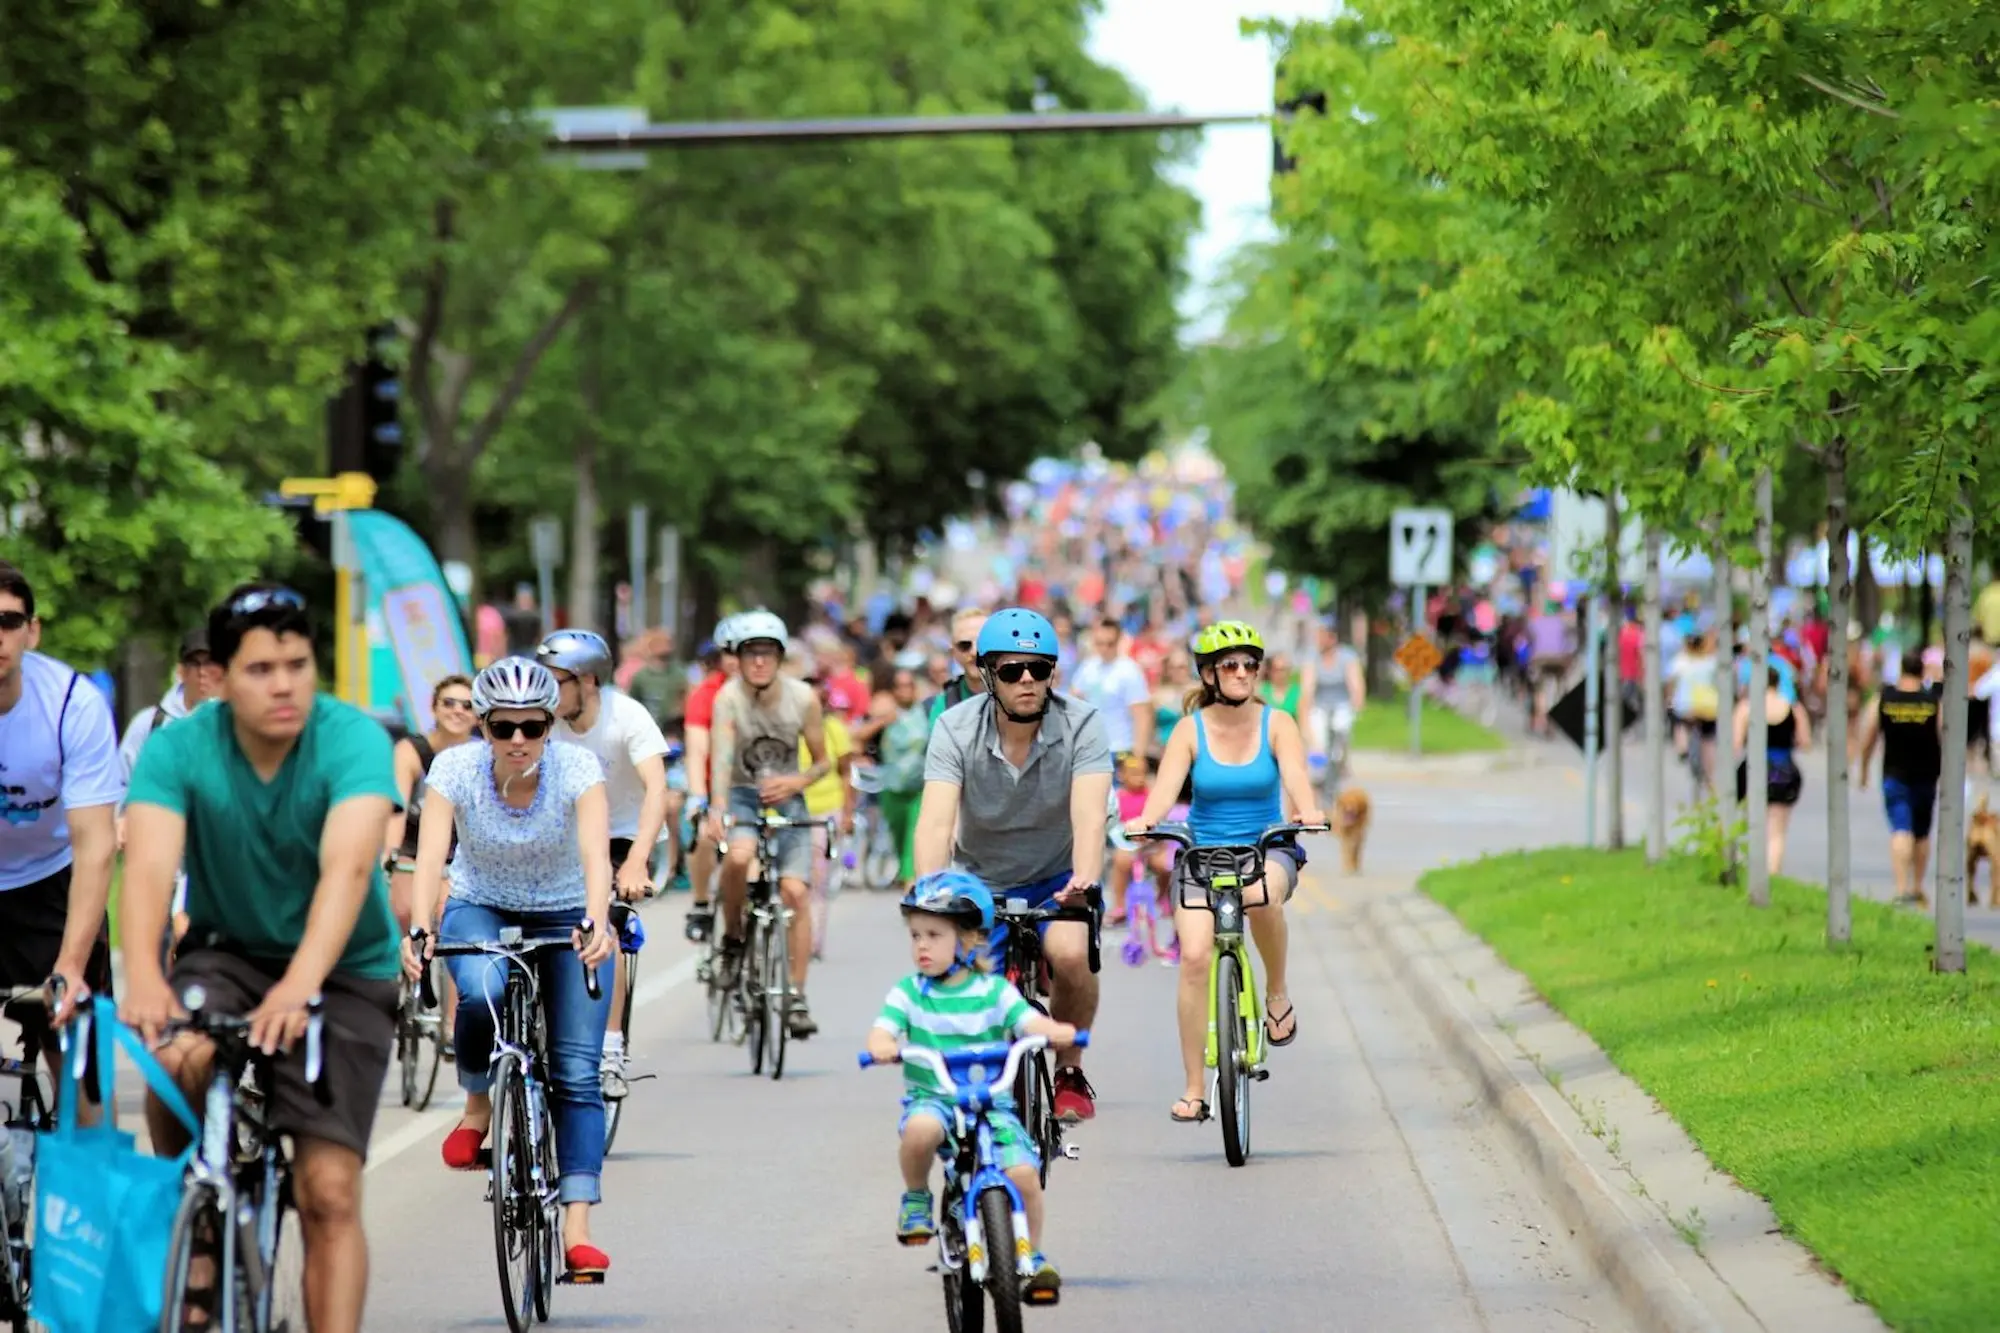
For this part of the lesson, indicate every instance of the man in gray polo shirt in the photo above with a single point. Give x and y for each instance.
(1017, 779)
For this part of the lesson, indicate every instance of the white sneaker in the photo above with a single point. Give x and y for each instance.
(611, 1075)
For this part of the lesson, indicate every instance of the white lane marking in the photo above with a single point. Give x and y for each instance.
(438, 1118)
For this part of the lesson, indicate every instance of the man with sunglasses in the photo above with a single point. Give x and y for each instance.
(630, 747)
(60, 783)
(760, 718)
(965, 627)
(1016, 784)
(277, 798)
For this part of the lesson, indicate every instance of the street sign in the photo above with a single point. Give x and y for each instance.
(545, 536)
(1420, 548)
(1419, 657)
(1568, 715)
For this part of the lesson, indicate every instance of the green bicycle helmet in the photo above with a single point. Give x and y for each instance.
(1227, 636)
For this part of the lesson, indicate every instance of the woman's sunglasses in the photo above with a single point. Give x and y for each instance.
(1237, 665)
(1038, 670)
(455, 705)
(505, 731)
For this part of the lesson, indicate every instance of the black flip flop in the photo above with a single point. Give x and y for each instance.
(1272, 1020)
(1201, 1112)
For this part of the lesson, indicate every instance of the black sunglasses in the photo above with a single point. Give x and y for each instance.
(260, 599)
(1038, 670)
(13, 620)
(504, 731)
(963, 645)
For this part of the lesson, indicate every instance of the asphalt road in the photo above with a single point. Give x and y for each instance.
(1379, 1195)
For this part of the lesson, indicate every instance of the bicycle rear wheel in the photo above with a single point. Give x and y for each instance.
(516, 1209)
(1003, 1279)
(1232, 1060)
(614, 1106)
(1034, 1094)
(777, 992)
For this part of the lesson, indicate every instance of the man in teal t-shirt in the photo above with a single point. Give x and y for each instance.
(277, 797)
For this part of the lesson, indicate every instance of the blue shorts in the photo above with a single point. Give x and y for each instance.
(1037, 894)
(1910, 806)
(1011, 1145)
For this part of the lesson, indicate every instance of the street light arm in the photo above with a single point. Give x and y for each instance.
(695, 134)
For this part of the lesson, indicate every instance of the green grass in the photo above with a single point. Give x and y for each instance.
(1385, 725)
(1857, 1091)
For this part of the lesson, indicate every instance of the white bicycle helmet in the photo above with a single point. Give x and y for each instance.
(725, 634)
(759, 624)
(515, 682)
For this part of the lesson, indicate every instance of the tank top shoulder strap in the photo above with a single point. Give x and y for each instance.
(425, 753)
(1264, 730)
(1200, 736)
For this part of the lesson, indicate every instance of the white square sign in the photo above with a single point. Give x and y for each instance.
(1420, 548)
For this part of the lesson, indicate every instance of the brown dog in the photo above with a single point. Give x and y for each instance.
(1350, 824)
(1982, 843)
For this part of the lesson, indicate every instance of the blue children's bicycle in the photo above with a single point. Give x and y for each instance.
(979, 1204)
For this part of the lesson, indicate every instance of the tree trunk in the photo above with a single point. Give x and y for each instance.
(450, 487)
(1614, 679)
(585, 609)
(1656, 708)
(1840, 601)
(1755, 747)
(1949, 841)
(1724, 776)
(1867, 592)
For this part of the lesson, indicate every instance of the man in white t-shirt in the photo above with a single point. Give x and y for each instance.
(621, 732)
(60, 784)
(1116, 686)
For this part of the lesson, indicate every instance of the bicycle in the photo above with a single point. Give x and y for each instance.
(763, 989)
(416, 1033)
(979, 1205)
(878, 860)
(522, 1176)
(631, 938)
(31, 1114)
(1215, 878)
(237, 1206)
(1024, 965)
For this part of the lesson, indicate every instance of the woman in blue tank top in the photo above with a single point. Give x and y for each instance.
(1242, 758)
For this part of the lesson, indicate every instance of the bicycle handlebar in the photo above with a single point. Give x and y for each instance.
(942, 1065)
(511, 944)
(1184, 836)
(1086, 911)
(233, 1028)
(779, 822)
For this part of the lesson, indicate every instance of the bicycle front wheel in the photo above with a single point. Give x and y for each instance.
(517, 1212)
(1232, 1060)
(197, 1225)
(614, 1107)
(281, 1301)
(1003, 1277)
(750, 987)
(777, 992)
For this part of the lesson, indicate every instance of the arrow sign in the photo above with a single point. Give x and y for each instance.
(1420, 548)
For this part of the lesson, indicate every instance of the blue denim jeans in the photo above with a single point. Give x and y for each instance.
(575, 1031)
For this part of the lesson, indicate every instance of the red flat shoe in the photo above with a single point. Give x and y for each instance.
(461, 1148)
(586, 1261)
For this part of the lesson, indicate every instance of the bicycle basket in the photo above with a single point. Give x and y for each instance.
(1209, 866)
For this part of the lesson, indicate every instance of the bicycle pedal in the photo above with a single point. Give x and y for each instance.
(582, 1278)
(1071, 1152)
(913, 1242)
(1030, 1296)
(1260, 1074)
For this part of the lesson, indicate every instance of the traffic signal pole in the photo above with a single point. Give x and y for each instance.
(716, 133)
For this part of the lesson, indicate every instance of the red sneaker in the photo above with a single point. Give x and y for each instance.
(461, 1148)
(1075, 1099)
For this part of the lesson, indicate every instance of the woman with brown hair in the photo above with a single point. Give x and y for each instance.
(452, 723)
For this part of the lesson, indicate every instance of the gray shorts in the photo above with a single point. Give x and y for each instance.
(794, 845)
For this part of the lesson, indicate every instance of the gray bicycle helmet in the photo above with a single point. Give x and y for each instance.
(760, 624)
(577, 651)
(515, 682)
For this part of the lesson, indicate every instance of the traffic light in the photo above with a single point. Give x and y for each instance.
(1288, 108)
(364, 424)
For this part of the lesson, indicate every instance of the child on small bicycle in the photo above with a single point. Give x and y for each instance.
(950, 1003)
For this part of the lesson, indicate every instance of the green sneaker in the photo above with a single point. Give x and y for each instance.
(1044, 1285)
(913, 1219)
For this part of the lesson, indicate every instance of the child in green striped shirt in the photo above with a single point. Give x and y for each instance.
(952, 1002)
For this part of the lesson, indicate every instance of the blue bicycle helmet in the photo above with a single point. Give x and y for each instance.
(955, 894)
(1016, 630)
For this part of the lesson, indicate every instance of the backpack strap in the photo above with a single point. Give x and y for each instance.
(425, 753)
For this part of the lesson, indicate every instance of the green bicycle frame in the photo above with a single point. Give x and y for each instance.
(1231, 943)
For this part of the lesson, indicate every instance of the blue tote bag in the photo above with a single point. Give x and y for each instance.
(104, 1211)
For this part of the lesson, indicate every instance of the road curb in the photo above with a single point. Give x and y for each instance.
(1389, 763)
(1746, 1276)
(1619, 1236)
